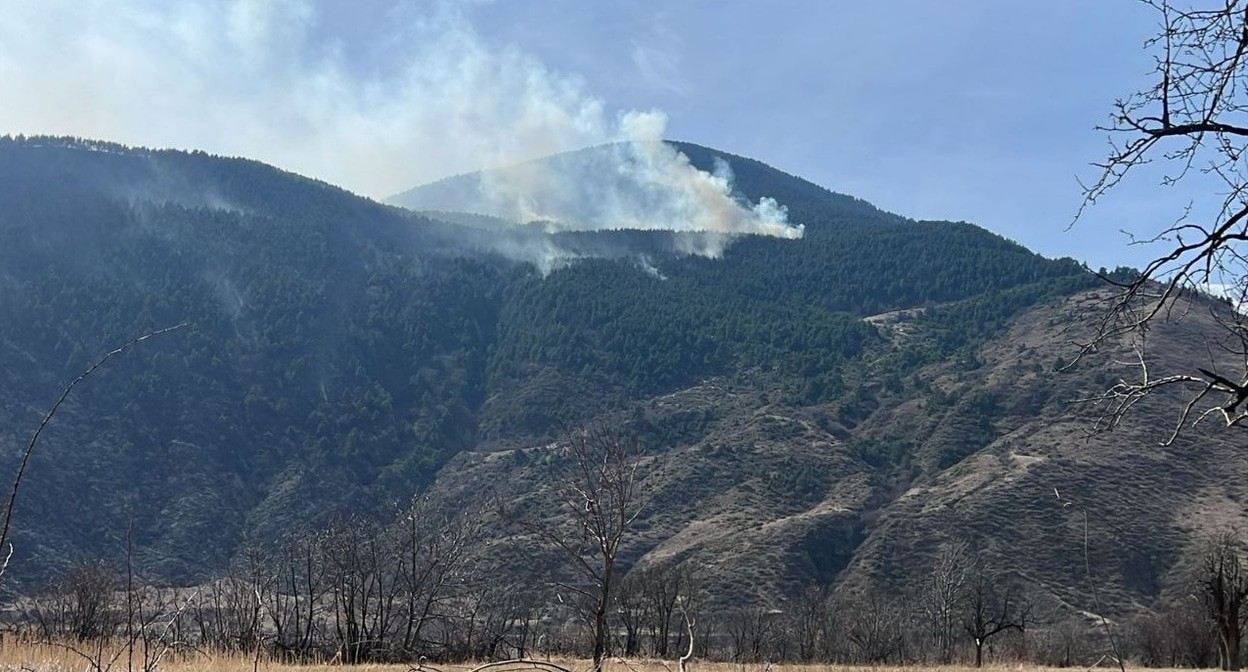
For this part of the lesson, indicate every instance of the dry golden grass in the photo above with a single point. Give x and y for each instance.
(17, 655)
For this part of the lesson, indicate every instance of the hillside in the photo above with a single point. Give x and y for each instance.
(342, 355)
(763, 496)
(281, 390)
(1021, 489)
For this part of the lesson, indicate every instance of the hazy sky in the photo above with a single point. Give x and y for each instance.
(979, 110)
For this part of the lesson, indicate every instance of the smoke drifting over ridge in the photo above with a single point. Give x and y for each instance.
(639, 183)
(257, 78)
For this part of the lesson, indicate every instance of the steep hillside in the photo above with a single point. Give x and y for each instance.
(339, 354)
(283, 388)
(1008, 463)
(761, 495)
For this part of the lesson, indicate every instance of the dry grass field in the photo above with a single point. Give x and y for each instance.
(18, 655)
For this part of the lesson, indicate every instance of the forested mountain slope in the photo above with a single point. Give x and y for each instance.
(339, 353)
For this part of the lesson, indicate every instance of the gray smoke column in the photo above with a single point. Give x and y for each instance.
(639, 182)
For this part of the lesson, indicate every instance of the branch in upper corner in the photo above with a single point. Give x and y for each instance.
(1190, 122)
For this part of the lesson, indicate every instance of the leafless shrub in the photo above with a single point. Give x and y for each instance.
(82, 604)
(1176, 634)
(875, 627)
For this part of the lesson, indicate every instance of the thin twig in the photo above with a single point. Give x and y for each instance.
(1096, 597)
(34, 440)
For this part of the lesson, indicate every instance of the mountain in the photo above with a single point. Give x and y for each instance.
(280, 391)
(766, 495)
(826, 409)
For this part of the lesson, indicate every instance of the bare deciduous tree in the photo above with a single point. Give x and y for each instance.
(1066, 643)
(811, 624)
(435, 556)
(364, 589)
(991, 606)
(877, 629)
(942, 600)
(600, 498)
(90, 587)
(633, 610)
(755, 634)
(669, 591)
(81, 605)
(1176, 635)
(1194, 119)
(297, 602)
(1223, 584)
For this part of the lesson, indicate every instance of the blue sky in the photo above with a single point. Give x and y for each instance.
(976, 110)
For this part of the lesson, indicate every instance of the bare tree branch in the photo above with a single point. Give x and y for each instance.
(1194, 121)
(34, 440)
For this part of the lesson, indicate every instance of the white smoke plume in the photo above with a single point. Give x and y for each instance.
(257, 78)
(640, 182)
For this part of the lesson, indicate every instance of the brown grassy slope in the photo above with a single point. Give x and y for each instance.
(763, 497)
(721, 497)
(1148, 506)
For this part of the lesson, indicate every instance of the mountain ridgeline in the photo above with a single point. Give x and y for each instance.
(338, 353)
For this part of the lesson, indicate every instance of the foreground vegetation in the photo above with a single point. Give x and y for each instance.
(17, 654)
(361, 595)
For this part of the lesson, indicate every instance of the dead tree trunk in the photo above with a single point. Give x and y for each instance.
(1224, 585)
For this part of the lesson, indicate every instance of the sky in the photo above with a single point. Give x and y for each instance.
(975, 110)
